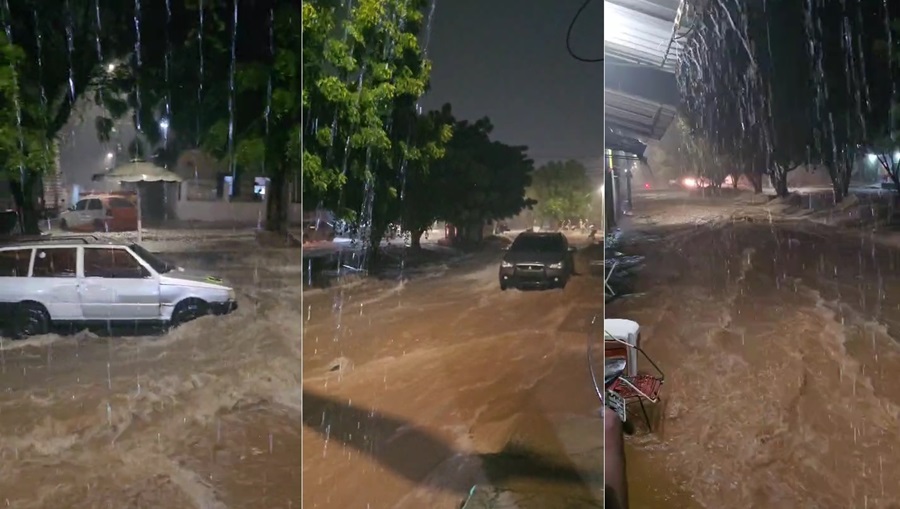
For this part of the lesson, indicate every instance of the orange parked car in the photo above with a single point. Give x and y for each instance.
(101, 212)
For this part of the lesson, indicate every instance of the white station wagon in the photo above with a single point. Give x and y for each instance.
(64, 281)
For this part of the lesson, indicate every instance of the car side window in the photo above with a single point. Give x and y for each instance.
(95, 205)
(15, 262)
(112, 263)
(81, 205)
(55, 262)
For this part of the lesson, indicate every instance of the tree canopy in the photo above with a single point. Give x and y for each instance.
(480, 179)
(51, 58)
(562, 191)
(225, 78)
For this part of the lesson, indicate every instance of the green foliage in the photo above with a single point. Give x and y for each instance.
(479, 179)
(360, 69)
(22, 144)
(562, 191)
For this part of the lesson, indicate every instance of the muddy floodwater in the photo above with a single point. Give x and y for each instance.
(414, 393)
(205, 416)
(778, 340)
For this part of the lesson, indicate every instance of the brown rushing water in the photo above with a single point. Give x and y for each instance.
(415, 393)
(205, 416)
(778, 344)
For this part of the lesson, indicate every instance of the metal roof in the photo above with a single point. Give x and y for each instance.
(637, 116)
(627, 144)
(644, 31)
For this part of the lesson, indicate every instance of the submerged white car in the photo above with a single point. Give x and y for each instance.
(64, 281)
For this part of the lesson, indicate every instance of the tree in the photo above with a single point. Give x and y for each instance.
(749, 102)
(884, 130)
(419, 203)
(480, 180)
(227, 87)
(51, 60)
(562, 191)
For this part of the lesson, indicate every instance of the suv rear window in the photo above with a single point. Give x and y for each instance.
(15, 262)
(542, 243)
(55, 262)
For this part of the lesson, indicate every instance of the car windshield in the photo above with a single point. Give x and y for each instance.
(540, 243)
(159, 265)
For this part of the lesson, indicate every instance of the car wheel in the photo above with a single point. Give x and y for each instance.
(63, 225)
(99, 225)
(503, 287)
(188, 310)
(30, 319)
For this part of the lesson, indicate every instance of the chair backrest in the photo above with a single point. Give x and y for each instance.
(613, 348)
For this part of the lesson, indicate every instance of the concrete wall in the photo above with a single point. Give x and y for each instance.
(242, 212)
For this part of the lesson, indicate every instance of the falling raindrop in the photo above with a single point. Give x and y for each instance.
(138, 62)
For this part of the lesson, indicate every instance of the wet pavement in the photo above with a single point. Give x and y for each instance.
(416, 392)
(777, 341)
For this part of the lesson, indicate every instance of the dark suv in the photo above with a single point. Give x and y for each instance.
(537, 260)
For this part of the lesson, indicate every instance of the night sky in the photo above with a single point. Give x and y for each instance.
(507, 59)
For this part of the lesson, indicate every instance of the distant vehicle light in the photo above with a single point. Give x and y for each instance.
(689, 182)
(646, 185)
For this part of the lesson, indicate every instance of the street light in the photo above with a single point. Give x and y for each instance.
(111, 67)
(109, 156)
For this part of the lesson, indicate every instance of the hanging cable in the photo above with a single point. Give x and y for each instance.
(569, 37)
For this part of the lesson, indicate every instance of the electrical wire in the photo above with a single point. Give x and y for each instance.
(569, 37)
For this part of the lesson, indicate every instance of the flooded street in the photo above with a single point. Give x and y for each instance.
(205, 415)
(777, 343)
(414, 393)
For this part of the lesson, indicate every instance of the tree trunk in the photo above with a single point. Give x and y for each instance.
(276, 211)
(26, 203)
(415, 239)
(734, 181)
(779, 180)
(755, 179)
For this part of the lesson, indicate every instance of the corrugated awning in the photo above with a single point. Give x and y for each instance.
(627, 144)
(643, 32)
(631, 115)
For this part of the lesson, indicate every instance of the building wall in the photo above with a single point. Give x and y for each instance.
(240, 212)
